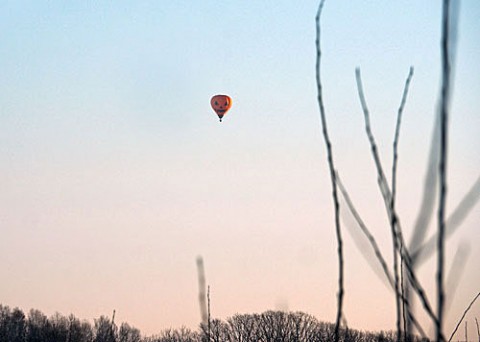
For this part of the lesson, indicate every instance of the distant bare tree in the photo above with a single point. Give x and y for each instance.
(37, 324)
(126, 333)
(12, 325)
(175, 335)
(242, 328)
(219, 331)
(304, 327)
(58, 327)
(79, 331)
(104, 330)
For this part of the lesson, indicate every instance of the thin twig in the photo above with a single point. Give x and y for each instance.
(402, 288)
(332, 176)
(382, 180)
(466, 331)
(444, 99)
(478, 329)
(209, 318)
(463, 316)
(397, 134)
(394, 191)
(112, 324)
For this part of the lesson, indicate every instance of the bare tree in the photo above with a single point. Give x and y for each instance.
(12, 324)
(79, 331)
(104, 330)
(126, 333)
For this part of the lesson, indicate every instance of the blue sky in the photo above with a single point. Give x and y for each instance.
(116, 174)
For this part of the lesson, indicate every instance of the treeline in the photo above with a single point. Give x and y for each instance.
(37, 327)
(270, 326)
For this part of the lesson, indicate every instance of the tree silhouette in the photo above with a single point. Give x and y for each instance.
(12, 325)
(105, 330)
(126, 333)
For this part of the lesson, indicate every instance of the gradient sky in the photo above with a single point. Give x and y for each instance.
(115, 173)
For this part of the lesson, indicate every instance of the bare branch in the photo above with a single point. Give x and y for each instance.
(202, 290)
(463, 316)
(444, 116)
(466, 331)
(478, 329)
(332, 175)
(392, 203)
(397, 134)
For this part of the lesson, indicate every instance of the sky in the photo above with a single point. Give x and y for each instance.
(115, 173)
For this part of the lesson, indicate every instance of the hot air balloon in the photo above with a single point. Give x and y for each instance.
(221, 104)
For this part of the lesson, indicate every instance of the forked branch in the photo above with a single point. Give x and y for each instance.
(378, 254)
(399, 244)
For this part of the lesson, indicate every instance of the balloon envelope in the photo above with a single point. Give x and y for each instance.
(221, 104)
